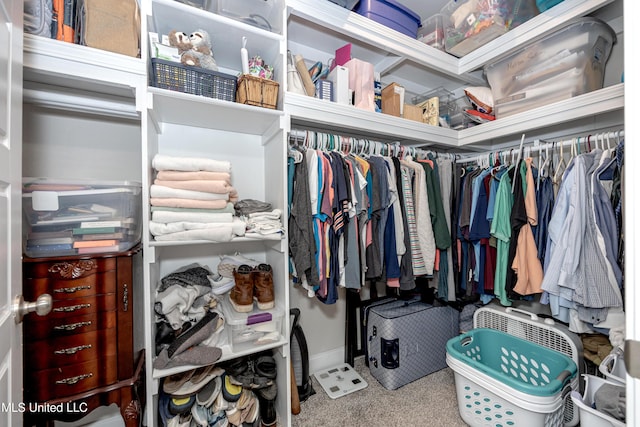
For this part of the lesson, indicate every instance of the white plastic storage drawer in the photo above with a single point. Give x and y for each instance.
(72, 217)
(247, 330)
(569, 62)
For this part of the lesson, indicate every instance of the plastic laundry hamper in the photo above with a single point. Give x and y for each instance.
(585, 404)
(502, 380)
(523, 323)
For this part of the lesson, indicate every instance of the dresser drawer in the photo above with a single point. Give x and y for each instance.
(65, 381)
(91, 284)
(67, 270)
(70, 325)
(63, 309)
(69, 350)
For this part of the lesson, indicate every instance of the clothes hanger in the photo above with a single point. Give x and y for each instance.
(561, 165)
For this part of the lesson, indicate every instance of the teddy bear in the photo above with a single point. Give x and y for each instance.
(200, 54)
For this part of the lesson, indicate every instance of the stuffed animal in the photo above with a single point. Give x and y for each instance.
(200, 54)
(180, 40)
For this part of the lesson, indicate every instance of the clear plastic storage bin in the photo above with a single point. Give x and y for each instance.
(569, 62)
(266, 14)
(71, 218)
(431, 32)
(247, 330)
(470, 24)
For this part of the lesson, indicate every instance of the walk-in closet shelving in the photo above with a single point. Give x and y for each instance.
(251, 138)
(316, 30)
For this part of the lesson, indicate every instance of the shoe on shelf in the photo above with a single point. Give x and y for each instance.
(220, 285)
(265, 366)
(231, 392)
(208, 394)
(251, 409)
(228, 263)
(263, 287)
(267, 399)
(241, 295)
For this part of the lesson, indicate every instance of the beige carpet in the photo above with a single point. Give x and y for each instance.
(429, 401)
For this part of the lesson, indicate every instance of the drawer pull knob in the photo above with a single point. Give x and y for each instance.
(73, 350)
(71, 326)
(74, 380)
(71, 290)
(73, 270)
(69, 308)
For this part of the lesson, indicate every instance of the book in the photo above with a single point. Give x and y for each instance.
(49, 234)
(49, 248)
(50, 241)
(99, 249)
(100, 224)
(94, 243)
(102, 236)
(96, 230)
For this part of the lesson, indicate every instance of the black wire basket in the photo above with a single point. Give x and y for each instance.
(196, 81)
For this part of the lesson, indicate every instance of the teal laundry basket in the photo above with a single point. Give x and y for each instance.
(502, 380)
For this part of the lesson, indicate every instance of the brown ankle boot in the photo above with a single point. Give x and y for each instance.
(263, 286)
(241, 294)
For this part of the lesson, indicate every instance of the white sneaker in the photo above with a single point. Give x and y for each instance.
(220, 285)
(229, 262)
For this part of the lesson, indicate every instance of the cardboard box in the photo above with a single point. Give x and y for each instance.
(412, 112)
(393, 100)
(113, 26)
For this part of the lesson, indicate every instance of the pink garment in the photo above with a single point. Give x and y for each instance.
(173, 202)
(188, 176)
(208, 186)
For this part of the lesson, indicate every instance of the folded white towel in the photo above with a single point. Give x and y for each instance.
(274, 214)
(167, 216)
(197, 231)
(166, 192)
(164, 162)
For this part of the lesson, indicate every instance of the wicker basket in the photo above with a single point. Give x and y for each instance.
(256, 91)
(196, 81)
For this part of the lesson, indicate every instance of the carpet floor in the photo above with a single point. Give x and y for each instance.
(428, 401)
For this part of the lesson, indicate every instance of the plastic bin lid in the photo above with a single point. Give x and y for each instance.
(403, 8)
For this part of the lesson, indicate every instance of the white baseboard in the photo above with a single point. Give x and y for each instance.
(326, 359)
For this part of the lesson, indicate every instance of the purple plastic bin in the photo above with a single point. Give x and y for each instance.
(391, 14)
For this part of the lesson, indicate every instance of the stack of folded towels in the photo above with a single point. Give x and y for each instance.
(192, 199)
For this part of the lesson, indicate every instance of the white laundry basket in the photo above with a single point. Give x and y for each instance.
(523, 323)
(590, 417)
(502, 380)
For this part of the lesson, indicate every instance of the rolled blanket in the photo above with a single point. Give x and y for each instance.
(174, 202)
(188, 176)
(164, 162)
(162, 191)
(207, 186)
(191, 217)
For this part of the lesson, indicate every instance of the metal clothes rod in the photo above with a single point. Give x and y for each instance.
(347, 144)
(579, 144)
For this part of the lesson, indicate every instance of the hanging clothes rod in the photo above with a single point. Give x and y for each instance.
(348, 144)
(587, 142)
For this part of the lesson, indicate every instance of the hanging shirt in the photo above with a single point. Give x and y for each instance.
(501, 230)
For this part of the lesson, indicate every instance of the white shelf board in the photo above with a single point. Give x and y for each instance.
(192, 110)
(269, 238)
(227, 354)
(80, 67)
(529, 31)
(348, 119)
(593, 103)
(351, 24)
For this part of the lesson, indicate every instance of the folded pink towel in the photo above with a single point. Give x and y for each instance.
(174, 202)
(162, 191)
(208, 186)
(188, 176)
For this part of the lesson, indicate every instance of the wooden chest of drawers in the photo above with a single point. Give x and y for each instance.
(82, 351)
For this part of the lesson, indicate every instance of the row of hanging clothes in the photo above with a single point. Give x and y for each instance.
(545, 223)
(364, 211)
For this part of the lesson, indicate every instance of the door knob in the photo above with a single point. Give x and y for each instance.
(42, 306)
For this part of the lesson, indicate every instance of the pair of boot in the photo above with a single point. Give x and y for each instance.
(252, 283)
